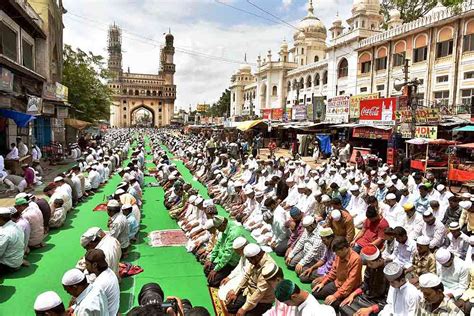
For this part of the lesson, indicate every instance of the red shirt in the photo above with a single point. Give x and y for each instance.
(373, 231)
(29, 175)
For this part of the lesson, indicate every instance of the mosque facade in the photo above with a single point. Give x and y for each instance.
(136, 93)
(359, 57)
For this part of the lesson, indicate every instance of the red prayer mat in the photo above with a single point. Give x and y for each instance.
(219, 306)
(100, 207)
(127, 269)
(166, 238)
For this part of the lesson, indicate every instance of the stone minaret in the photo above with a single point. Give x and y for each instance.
(115, 51)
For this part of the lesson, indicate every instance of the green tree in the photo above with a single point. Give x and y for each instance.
(221, 107)
(86, 77)
(411, 10)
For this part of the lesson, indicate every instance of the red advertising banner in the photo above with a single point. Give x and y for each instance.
(267, 114)
(277, 114)
(378, 111)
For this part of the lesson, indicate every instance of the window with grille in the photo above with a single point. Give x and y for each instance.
(466, 95)
(398, 59)
(468, 43)
(380, 87)
(381, 63)
(420, 54)
(469, 75)
(8, 42)
(441, 79)
(364, 89)
(27, 55)
(442, 97)
(365, 67)
(444, 49)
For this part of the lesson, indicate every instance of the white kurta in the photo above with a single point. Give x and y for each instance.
(107, 281)
(402, 301)
(234, 278)
(91, 302)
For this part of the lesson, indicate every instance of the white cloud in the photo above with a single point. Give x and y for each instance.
(198, 79)
(286, 4)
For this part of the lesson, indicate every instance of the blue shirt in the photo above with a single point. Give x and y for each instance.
(132, 226)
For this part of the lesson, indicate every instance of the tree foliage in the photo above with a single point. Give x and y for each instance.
(85, 75)
(221, 107)
(411, 10)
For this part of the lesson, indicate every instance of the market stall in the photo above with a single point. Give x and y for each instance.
(429, 154)
(461, 163)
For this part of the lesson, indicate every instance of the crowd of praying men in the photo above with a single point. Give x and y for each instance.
(369, 240)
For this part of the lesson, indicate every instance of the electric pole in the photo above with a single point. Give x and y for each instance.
(411, 91)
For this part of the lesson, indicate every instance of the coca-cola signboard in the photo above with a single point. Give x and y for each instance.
(378, 111)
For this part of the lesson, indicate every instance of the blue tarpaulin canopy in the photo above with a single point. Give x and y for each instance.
(468, 128)
(21, 119)
(325, 143)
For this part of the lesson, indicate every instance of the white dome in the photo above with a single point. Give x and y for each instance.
(371, 5)
(438, 8)
(311, 25)
(394, 13)
(245, 68)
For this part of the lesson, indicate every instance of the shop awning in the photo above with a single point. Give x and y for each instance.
(78, 124)
(424, 141)
(468, 128)
(246, 125)
(21, 119)
(470, 146)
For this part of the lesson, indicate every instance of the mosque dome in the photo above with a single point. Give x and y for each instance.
(366, 5)
(245, 68)
(438, 8)
(310, 25)
(394, 14)
(284, 46)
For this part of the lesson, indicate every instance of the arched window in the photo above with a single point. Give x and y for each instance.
(294, 84)
(274, 91)
(325, 77)
(253, 95)
(288, 87)
(137, 92)
(301, 84)
(316, 59)
(420, 48)
(124, 91)
(160, 93)
(444, 46)
(468, 43)
(308, 82)
(154, 93)
(317, 80)
(233, 96)
(148, 93)
(381, 60)
(343, 69)
(400, 53)
(365, 63)
(130, 92)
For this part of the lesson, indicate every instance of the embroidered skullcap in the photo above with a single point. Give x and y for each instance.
(308, 220)
(90, 235)
(326, 232)
(370, 252)
(429, 280)
(239, 242)
(336, 215)
(423, 240)
(393, 271)
(442, 255)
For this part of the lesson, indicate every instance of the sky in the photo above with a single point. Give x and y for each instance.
(211, 38)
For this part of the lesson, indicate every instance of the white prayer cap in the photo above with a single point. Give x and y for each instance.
(57, 179)
(440, 187)
(239, 242)
(325, 198)
(21, 195)
(126, 206)
(90, 235)
(354, 188)
(423, 240)
(358, 179)
(454, 226)
(313, 171)
(301, 186)
(465, 204)
(308, 220)
(343, 172)
(209, 224)
(223, 181)
(303, 163)
(5, 211)
(113, 203)
(443, 255)
(73, 277)
(248, 190)
(466, 195)
(290, 179)
(208, 203)
(391, 196)
(318, 193)
(389, 184)
(292, 167)
(192, 198)
(336, 215)
(119, 192)
(427, 213)
(393, 271)
(46, 301)
(393, 177)
(380, 182)
(171, 177)
(259, 194)
(269, 271)
(251, 250)
(199, 200)
(332, 170)
(373, 172)
(429, 280)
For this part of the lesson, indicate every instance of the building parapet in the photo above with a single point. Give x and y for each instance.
(424, 21)
(308, 67)
(350, 37)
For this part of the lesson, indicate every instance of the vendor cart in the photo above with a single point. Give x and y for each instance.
(461, 167)
(429, 155)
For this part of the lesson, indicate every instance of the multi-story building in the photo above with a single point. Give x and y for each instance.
(21, 30)
(135, 92)
(363, 58)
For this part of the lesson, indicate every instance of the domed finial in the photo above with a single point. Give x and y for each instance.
(310, 8)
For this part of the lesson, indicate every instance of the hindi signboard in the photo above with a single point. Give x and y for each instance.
(337, 110)
(354, 108)
(378, 111)
(423, 115)
(277, 114)
(420, 131)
